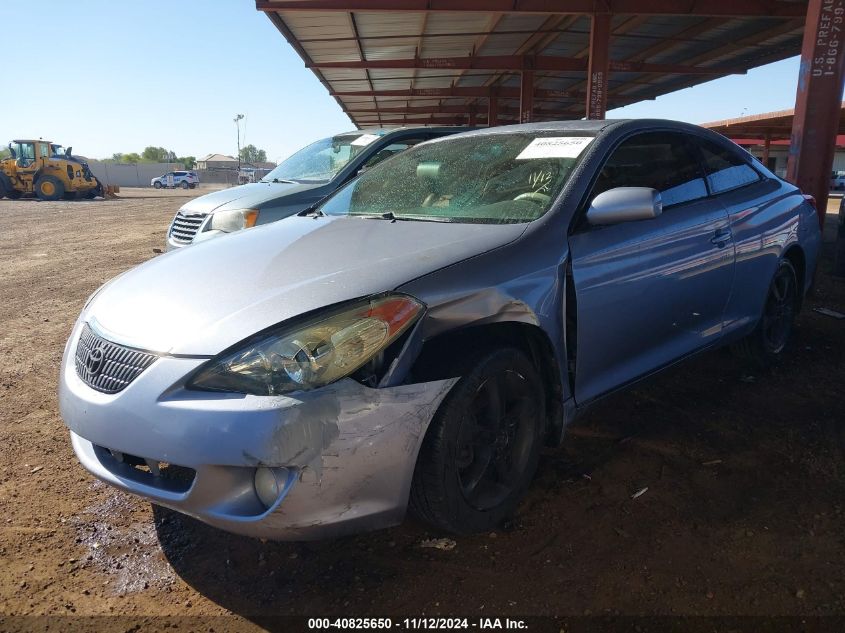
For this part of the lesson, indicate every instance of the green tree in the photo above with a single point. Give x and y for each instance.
(188, 162)
(158, 155)
(131, 157)
(117, 157)
(4, 153)
(251, 154)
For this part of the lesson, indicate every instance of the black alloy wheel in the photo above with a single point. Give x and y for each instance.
(482, 447)
(779, 313)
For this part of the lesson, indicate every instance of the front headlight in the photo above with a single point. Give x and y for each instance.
(327, 348)
(231, 221)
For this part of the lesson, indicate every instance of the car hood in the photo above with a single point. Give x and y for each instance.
(200, 300)
(250, 196)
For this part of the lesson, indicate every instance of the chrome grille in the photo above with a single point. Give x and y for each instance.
(106, 366)
(185, 226)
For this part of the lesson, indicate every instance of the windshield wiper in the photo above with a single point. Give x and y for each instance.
(389, 215)
(284, 180)
(312, 212)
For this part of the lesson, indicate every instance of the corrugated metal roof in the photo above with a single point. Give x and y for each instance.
(405, 34)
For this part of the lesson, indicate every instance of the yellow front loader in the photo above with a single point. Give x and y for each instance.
(47, 170)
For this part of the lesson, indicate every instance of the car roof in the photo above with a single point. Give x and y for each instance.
(598, 126)
(31, 140)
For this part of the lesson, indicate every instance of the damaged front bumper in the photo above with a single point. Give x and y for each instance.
(346, 453)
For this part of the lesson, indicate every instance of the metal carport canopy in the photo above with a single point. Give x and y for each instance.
(767, 125)
(441, 62)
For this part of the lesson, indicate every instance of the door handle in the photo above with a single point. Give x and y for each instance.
(721, 238)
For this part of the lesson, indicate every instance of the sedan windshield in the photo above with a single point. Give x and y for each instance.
(321, 161)
(488, 178)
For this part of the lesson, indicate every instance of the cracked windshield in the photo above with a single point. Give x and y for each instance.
(489, 178)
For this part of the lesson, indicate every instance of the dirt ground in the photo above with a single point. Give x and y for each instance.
(743, 473)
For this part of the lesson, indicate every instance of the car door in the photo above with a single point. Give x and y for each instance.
(761, 222)
(651, 291)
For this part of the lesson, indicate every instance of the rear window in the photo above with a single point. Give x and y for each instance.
(725, 169)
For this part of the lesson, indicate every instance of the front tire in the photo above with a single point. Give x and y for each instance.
(49, 188)
(766, 344)
(96, 192)
(482, 448)
(157, 185)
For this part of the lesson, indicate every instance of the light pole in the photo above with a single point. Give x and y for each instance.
(237, 121)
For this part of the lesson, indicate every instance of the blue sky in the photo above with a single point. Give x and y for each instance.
(175, 74)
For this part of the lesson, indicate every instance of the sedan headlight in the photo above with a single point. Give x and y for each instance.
(231, 221)
(313, 354)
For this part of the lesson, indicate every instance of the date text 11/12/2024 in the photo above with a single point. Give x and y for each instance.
(481, 624)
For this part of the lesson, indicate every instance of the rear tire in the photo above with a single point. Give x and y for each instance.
(49, 188)
(482, 448)
(6, 188)
(184, 184)
(13, 194)
(765, 345)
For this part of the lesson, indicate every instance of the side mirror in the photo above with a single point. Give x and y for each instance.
(624, 204)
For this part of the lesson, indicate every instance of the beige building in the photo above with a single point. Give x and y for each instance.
(217, 161)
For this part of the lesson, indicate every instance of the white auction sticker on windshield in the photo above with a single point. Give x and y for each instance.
(555, 147)
(365, 139)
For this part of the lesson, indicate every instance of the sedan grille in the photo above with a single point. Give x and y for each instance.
(106, 366)
(185, 226)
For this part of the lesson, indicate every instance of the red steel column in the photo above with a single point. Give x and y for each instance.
(766, 147)
(526, 96)
(818, 100)
(493, 109)
(599, 66)
(472, 118)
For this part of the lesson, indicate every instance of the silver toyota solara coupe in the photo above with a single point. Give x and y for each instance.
(415, 339)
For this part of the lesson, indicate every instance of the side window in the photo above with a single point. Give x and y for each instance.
(390, 150)
(660, 160)
(43, 150)
(725, 169)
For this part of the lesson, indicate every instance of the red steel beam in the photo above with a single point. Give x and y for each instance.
(480, 62)
(818, 101)
(461, 91)
(449, 109)
(715, 8)
(599, 66)
(526, 96)
(520, 63)
(453, 120)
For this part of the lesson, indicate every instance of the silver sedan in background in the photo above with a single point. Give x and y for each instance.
(416, 338)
